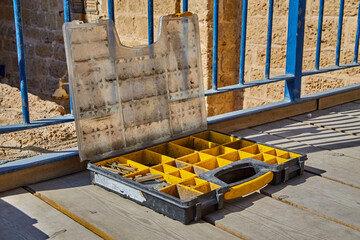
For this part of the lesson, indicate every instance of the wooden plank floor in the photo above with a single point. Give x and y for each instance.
(324, 203)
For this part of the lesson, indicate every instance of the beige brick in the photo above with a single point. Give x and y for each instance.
(43, 50)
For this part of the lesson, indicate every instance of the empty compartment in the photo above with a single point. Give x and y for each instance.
(257, 148)
(171, 150)
(182, 192)
(178, 164)
(237, 155)
(239, 144)
(266, 158)
(147, 157)
(164, 168)
(194, 143)
(213, 163)
(219, 150)
(215, 137)
(236, 175)
(194, 158)
(193, 182)
(183, 174)
(270, 158)
(206, 187)
(289, 155)
(277, 152)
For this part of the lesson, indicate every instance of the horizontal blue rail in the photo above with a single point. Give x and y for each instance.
(294, 54)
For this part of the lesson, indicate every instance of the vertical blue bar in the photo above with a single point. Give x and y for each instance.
(356, 49)
(215, 45)
(111, 10)
(294, 50)
(67, 18)
(269, 38)
(319, 33)
(243, 41)
(150, 22)
(185, 5)
(338, 44)
(21, 62)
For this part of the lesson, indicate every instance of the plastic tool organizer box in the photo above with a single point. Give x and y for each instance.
(141, 121)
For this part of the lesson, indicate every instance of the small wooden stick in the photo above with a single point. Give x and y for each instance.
(148, 178)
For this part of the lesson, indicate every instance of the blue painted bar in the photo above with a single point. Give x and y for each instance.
(294, 50)
(185, 5)
(67, 13)
(67, 18)
(356, 49)
(243, 41)
(269, 38)
(319, 33)
(21, 62)
(150, 21)
(338, 44)
(111, 10)
(331, 69)
(36, 124)
(267, 107)
(38, 160)
(215, 45)
(249, 84)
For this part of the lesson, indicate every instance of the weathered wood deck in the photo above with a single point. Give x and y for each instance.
(324, 203)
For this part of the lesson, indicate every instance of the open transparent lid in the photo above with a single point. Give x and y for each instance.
(127, 98)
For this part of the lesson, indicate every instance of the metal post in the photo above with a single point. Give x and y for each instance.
(356, 49)
(338, 44)
(319, 33)
(269, 38)
(294, 51)
(185, 5)
(215, 45)
(67, 18)
(67, 14)
(21, 62)
(111, 10)
(150, 22)
(243, 41)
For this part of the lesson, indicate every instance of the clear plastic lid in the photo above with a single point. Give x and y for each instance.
(127, 98)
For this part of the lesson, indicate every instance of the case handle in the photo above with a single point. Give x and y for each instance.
(249, 186)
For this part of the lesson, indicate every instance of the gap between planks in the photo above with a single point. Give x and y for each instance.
(70, 214)
(312, 211)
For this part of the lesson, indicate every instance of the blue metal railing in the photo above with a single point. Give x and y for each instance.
(293, 69)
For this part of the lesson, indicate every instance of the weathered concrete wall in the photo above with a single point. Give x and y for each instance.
(43, 40)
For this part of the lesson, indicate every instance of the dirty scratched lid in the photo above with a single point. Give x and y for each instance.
(127, 98)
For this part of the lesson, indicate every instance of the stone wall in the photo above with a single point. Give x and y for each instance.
(45, 56)
(256, 48)
(43, 42)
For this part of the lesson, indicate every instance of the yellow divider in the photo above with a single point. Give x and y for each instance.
(180, 191)
(237, 155)
(206, 187)
(256, 149)
(215, 137)
(194, 158)
(178, 164)
(147, 157)
(219, 150)
(213, 163)
(239, 144)
(171, 150)
(164, 168)
(194, 143)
